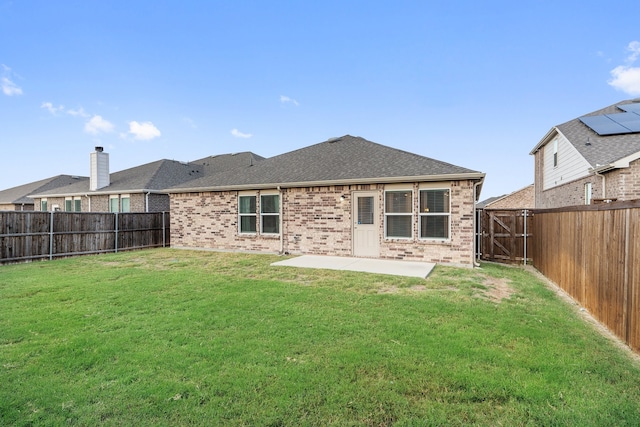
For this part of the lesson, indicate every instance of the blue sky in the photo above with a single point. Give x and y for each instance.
(476, 84)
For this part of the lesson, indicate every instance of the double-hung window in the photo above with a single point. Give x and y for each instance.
(114, 204)
(247, 214)
(125, 203)
(43, 205)
(270, 214)
(398, 214)
(435, 213)
(72, 204)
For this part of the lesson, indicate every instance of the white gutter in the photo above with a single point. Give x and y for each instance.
(353, 181)
(475, 231)
(281, 220)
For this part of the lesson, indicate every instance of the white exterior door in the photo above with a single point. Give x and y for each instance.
(366, 238)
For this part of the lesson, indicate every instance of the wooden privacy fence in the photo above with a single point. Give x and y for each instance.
(505, 235)
(593, 253)
(34, 235)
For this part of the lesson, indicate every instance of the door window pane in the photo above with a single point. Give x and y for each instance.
(365, 210)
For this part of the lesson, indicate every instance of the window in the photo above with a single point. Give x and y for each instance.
(125, 203)
(398, 214)
(247, 214)
(43, 205)
(114, 205)
(365, 210)
(434, 214)
(555, 153)
(587, 193)
(270, 214)
(72, 204)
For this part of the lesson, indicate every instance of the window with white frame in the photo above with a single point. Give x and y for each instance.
(125, 203)
(269, 213)
(72, 204)
(43, 205)
(247, 215)
(555, 152)
(114, 204)
(435, 213)
(398, 214)
(587, 193)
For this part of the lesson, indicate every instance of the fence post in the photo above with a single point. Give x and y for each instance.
(164, 230)
(116, 243)
(51, 237)
(525, 237)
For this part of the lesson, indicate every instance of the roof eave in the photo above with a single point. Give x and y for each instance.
(98, 193)
(354, 181)
(545, 139)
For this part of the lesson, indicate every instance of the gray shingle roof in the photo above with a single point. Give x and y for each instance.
(158, 175)
(345, 159)
(20, 194)
(599, 150)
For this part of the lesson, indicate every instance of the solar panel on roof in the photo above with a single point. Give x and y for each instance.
(604, 125)
(629, 120)
(632, 108)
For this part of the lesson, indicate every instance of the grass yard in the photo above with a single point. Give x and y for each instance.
(169, 337)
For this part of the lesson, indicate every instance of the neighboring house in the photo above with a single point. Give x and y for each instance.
(596, 156)
(19, 198)
(346, 196)
(138, 189)
(520, 199)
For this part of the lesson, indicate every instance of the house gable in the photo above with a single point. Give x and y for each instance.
(562, 162)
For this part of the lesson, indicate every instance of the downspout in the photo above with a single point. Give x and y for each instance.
(475, 231)
(88, 198)
(146, 201)
(604, 183)
(281, 221)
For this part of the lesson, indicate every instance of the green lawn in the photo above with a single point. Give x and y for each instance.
(169, 337)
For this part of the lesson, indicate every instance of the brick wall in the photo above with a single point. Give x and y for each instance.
(317, 221)
(521, 199)
(622, 184)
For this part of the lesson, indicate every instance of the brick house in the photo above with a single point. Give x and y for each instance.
(19, 198)
(590, 158)
(138, 189)
(346, 196)
(520, 199)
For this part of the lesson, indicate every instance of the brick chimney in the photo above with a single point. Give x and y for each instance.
(99, 176)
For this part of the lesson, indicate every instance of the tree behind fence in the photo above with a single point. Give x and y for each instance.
(593, 253)
(34, 235)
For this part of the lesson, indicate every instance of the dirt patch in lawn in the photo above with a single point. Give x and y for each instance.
(496, 289)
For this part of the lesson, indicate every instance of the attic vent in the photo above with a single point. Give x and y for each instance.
(332, 140)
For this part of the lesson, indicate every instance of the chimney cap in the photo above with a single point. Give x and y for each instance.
(99, 149)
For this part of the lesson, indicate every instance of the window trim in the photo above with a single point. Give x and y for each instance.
(434, 214)
(44, 205)
(248, 214)
(276, 214)
(397, 214)
(122, 198)
(588, 193)
(555, 153)
(112, 197)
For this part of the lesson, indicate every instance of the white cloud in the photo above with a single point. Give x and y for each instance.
(143, 131)
(51, 108)
(285, 99)
(238, 134)
(97, 124)
(79, 112)
(9, 88)
(626, 78)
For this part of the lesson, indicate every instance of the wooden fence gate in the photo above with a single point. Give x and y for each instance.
(506, 235)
